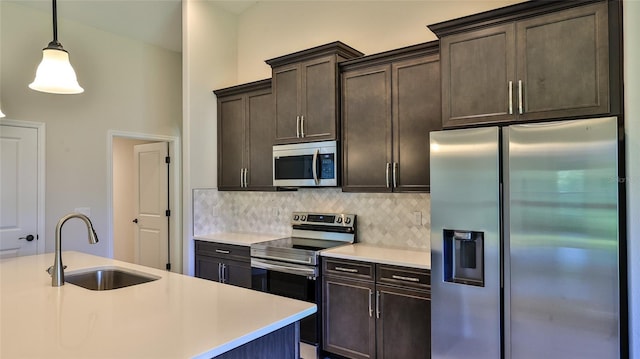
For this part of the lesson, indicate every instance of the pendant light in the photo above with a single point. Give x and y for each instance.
(55, 74)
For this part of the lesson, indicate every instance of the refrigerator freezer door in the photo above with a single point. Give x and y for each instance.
(465, 198)
(561, 230)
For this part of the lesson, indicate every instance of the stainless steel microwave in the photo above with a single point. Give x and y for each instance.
(311, 164)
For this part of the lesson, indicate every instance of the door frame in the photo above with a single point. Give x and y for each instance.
(175, 188)
(41, 133)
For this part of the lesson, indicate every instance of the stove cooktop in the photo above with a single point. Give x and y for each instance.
(293, 249)
(311, 233)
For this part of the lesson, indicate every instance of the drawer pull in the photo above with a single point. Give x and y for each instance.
(348, 270)
(407, 279)
(222, 251)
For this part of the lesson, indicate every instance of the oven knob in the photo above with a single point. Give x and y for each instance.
(347, 220)
(296, 217)
(339, 219)
(303, 218)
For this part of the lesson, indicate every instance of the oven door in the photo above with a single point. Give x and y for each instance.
(292, 281)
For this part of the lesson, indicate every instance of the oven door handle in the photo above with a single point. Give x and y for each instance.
(314, 168)
(291, 269)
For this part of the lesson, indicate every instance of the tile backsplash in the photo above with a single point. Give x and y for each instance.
(399, 220)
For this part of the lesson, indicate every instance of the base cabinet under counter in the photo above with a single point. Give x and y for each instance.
(224, 263)
(375, 310)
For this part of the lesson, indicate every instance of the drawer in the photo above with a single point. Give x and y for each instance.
(403, 276)
(347, 268)
(222, 250)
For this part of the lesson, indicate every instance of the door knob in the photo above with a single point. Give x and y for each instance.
(29, 237)
(135, 220)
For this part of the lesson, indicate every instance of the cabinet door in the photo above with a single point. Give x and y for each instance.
(403, 327)
(477, 68)
(231, 141)
(366, 122)
(319, 97)
(207, 267)
(349, 324)
(237, 273)
(563, 63)
(286, 92)
(260, 140)
(416, 112)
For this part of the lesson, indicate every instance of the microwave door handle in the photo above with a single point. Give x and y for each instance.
(314, 168)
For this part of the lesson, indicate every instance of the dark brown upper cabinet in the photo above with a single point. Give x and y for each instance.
(305, 93)
(530, 61)
(390, 103)
(245, 128)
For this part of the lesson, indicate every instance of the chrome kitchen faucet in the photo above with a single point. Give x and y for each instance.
(57, 270)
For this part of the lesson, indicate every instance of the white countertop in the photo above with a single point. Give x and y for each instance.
(175, 316)
(240, 239)
(370, 253)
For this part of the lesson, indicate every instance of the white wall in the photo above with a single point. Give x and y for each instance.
(210, 56)
(632, 127)
(129, 86)
(274, 28)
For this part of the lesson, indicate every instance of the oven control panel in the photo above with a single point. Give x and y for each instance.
(324, 219)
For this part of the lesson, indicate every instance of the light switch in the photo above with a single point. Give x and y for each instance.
(417, 218)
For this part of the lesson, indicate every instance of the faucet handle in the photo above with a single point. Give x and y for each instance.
(50, 269)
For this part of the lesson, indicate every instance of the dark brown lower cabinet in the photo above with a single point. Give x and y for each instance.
(401, 328)
(224, 263)
(349, 324)
(375, 311)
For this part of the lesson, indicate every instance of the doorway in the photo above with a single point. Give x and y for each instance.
(150, 239)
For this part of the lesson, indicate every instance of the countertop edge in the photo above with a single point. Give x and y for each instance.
(245, 239)
(255, 335)
(339, 254)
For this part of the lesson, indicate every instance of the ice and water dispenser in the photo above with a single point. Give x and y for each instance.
(464, 257)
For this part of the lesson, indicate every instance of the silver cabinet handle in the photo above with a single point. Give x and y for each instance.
(220, 272)
(511, 97)
(241, 177)
(298, 126)
(224, 273)
(314, 166)
(406, 279)
(387, 174)
(377, 304)
(370, 306)
(222, 251)
(302, 126)
(246, 184)
(395, 174)
(520, 97)
(348, 270)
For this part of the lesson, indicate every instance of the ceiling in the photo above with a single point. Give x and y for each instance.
(157, 22)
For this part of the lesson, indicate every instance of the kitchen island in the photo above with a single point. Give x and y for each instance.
(175, 316)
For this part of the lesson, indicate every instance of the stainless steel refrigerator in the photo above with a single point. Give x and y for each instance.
(524, 241)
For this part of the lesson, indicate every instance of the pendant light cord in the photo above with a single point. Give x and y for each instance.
(54, 44)
(55, 21)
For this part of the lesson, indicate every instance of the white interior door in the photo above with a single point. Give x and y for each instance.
(151, 247)
(19, 191)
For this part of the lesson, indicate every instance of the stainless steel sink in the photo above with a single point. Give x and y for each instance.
(108, 278)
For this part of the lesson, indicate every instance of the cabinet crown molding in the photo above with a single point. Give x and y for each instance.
(239, 89)
(503, 15)
(334, 48)
(413, 51)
